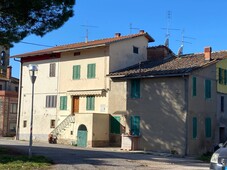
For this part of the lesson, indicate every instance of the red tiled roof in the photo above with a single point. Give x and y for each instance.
(82, 45)
(169, 67)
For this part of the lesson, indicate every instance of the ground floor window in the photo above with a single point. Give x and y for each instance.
(52, 123)
(135, 125)
(208, 127)
(194, 127)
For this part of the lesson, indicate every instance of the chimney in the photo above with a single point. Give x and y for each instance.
(207, 53)
(8, 72)
(117, 35)
(141, 32)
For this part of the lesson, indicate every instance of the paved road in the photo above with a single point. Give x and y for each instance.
(70, 157)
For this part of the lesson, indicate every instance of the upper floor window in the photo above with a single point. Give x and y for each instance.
(76, 72)
(207, 89)
(52, 70)
(194, 86)
(91, 69)
(51, 101)
(222, 103)
(63, 103)
(135, 88)
(222, 76)
(135, 50)
(16, 89)
(13, 108)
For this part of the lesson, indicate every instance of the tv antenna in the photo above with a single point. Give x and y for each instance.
(86, 29)
(180, 51)
(169, 17)
(132, 28)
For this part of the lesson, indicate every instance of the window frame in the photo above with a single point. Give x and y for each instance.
(24, 123)
(52, 123)
(91, 71)
(51, 101)
(76, 72)
(135, 50)
(90, 103)
(52, 70)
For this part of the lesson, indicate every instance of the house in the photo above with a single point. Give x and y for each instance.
(71, 96)
(8, 96)
(173, 104)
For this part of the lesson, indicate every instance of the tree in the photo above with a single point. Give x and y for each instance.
(20, 18)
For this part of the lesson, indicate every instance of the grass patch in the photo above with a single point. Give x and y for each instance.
(13, 160)
(205, 157)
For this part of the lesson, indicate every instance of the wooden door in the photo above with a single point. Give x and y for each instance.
(75, 108)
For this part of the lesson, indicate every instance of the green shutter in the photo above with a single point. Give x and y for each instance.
(208, 127)
(220, 75)
(76, 72)
(63, 103)
(135, 88)
(194, 127)
(225, 77)
(207, 89)
(90, 104)
(91, 70)
(115, 125)
(135, 125)
(194, 86)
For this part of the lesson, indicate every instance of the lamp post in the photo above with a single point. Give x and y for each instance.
(32, 72)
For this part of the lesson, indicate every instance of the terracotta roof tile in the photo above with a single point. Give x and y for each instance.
(89, 44)
(172, 66)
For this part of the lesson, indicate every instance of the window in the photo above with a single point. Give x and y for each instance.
(52, 70)
(12, 127)
(115, 124)
(135, 88)
(90, 105)
(208, 127)
(91, 71)
(222, 74)
(63, 103)
(25, 123)
(194, 127)
(222, 103)
(76, 72)
(194, 86)
(52, 123)
(135, 125)
(207, 89)
(135, 50)
(13, 108)
(1, 87)
(16, 89)
(51, 101)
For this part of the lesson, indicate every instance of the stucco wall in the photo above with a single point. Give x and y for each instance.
(201, 108)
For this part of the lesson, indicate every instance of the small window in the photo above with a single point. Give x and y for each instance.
(91, 69)
(207, 89)
(194, 86)
(63, 103)
(222, 103)
(194, 127)
(90, 104)
(51, 101)
(208, 127)
(13, 108)
(135, 50)
(25, 123)
(52, 69)
(135, 88)
(16, 89)
(52, 123)
(76, 72)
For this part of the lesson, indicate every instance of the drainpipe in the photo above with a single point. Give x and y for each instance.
(19, 101)
(186, 112)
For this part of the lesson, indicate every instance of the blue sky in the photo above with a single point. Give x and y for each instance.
(204, 21)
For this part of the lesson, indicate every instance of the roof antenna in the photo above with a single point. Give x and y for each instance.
(132, 28)
(180, 51)
(86, 28)
(169, 17)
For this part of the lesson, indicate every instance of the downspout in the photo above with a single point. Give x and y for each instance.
(186, 112)
(19, 101)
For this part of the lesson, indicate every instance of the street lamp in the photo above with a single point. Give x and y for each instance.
(33, 68)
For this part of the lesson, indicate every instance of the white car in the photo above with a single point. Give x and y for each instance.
(218, 160)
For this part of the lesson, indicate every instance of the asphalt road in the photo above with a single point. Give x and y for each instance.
(68, 157)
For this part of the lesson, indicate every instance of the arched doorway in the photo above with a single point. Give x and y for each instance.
(82, 136)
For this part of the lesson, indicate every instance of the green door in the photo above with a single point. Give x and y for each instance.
(82, 136)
